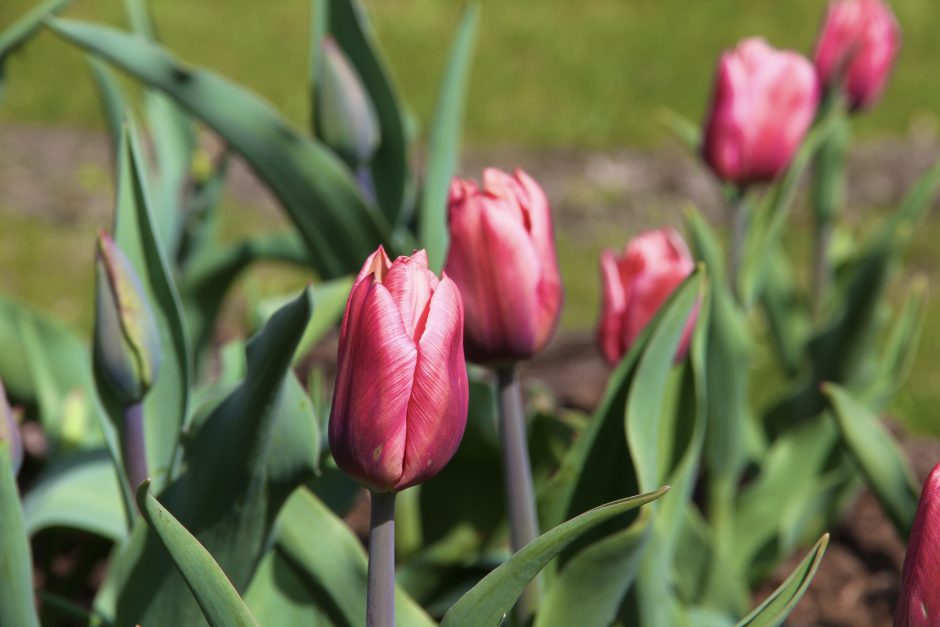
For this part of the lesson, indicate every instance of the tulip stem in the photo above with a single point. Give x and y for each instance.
(738, 233)
(380, 602)
(517, 477)
(135, 449)
(822, 272)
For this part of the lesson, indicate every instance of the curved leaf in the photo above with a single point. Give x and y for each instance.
(778, 605)
(881, 459)
(81, 493)
(212, 590)
(241, 465)
(444, 140)
(314, 187)
(16, 591)
(491, 599)
(333, 562)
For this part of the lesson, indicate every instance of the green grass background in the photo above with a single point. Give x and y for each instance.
(547, 73)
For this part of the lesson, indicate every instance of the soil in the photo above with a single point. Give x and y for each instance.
(61, 175)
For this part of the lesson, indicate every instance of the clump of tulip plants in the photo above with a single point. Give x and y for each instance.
(221, 480)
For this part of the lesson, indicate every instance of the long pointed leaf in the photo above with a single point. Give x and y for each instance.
(778, 605)
(881, 459)
(211, 588)
(444, 140)
(314, 187)
(491, 599)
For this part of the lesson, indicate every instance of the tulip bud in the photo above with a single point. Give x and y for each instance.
(635, 286)
(919, 603)
(345, 118)
(763, 103)
(502, 257)
(857, 45)
(127, 341)
(400, 402)
(10, 432)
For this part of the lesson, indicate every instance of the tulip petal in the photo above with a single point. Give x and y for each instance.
(411, 283)
(614, 303)
(373, 386)
(919, 601)
(437, 413)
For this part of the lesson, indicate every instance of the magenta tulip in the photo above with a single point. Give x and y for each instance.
(763, 103)
(857, 45)
(919, 603)
(502, 257)
(400, 402)
(635, 286)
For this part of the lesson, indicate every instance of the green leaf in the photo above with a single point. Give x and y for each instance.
(166, 406)
(246, 458)
(16, 592)
(212, 590)
(279, 595)
(212, 271)
(878, 455)
(704, 243)
(81, 492)
(113, 100)
(389, 167)
(491, 599)
(330, 297)
(315, 188)
(684, 129)
(21, 31)
(46, 363)
(787, 311)
(333, 562)
(778, 605)
(444, 140)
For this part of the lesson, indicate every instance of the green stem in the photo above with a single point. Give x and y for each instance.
(739, 222)
(134, 445)
(517, 478)
(380, 600)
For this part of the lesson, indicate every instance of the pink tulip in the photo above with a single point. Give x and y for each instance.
(858, 44)
(400, 402)
(764, 102)
(635, 286)
(502, 256)
(919, 604)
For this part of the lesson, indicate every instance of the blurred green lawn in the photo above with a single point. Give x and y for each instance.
(589, 73)
(547, 72)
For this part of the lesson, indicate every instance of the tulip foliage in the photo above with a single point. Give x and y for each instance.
(226, 486)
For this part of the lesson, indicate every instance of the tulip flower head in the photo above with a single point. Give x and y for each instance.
(10, 432)
(502, 257)
(635, 286)
(857, 46)
(919, 603)
(127, 340)
(763, 103)
(400, 402)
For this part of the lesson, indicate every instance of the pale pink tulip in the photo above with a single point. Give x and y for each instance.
(763, 103)
(400, 402)
(919, 603)
(635, 286)
(858, 44)
(502, 257)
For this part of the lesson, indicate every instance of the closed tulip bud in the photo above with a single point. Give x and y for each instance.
(502, 257)
(10, 432)
(345, 118)
(919, 603)
(857, 46)
(763, 103)
(127, 340)
(400, 402)
(635, 286)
